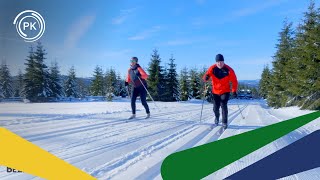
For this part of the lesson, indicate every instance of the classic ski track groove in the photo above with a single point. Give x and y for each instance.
(176, 129)
(120, 165)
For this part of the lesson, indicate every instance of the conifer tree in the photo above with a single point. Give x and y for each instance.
(264, 84)
(97, 86)
(42, 77)
(55, 81)
(36, 79)
(184, 85)
(19, 85)
(5, 81)
(111, 82)
(156, 84)
(71, 89)
(195, 83)
(282, 76)
(308, 59)
(172, 81)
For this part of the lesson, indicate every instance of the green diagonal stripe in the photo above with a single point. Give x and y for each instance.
(201, 161)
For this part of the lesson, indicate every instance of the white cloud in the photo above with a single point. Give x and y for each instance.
(78, 29)
(119, 20)
(145, 34)
(85, 59)
(201, 21)
(258, 8)
(116, 54)
(124, 14)
(248, 11)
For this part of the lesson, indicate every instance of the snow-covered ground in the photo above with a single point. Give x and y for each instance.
(96, 136)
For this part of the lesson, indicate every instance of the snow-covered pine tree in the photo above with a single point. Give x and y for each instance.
(111, 82)
(36, 80)
(5, 81)
(119, 89)
(70, 87)
(29, 89)
(55, 81)
(83, 87)
(19, 85)
(97, 85)
(156, 77)
(308, 59)
(282, 78)
(184, 84)
(165, 95)
(201, 73)
(42, 78)
(172, 81)
(1, 93)
(264, 84)
(195, 83)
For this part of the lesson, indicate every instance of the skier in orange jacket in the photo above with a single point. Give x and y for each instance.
(221, 76)
(136, 76)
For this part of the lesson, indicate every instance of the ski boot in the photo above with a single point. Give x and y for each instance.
(148, 116)
(216, 121)
(132, 116)
(224, 126)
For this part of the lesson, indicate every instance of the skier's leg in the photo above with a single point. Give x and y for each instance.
(216, 106)
(224, 107)
(143, 96)
(133, 100)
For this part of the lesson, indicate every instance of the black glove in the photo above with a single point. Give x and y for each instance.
(126, 83)
(234, 94)
(207, 77)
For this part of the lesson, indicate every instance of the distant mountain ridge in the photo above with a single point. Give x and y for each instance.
(250, 83)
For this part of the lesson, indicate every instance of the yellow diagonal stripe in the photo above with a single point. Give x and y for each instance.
(18, 153)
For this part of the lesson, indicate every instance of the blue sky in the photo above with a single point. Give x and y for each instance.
(108, 33)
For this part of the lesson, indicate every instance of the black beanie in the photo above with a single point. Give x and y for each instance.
(134, 59)
(219, 57)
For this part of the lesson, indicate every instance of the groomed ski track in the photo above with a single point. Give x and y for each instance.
(97, 137)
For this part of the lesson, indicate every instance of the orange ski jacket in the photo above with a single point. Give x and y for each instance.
(221, 79)
(134, 74)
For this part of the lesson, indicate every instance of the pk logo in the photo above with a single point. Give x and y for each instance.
(30, 25)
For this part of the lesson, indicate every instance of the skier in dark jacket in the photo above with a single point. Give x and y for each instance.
(221, 75)
(136, 76)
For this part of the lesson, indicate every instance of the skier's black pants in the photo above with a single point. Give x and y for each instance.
(221, 100)
(143, 95)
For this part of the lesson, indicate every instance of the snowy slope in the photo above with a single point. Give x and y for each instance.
(96, 136)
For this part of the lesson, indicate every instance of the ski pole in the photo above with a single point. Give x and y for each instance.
(148, 93)
(240, 111)
(202, 108)
(127, 88)
(204, 97)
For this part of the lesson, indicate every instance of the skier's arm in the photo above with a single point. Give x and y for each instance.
(207, 75)
(233, 79)
(128, 77)
(143, 74)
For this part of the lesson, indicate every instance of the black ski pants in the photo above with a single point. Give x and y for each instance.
(221, 100)
(143, 96)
